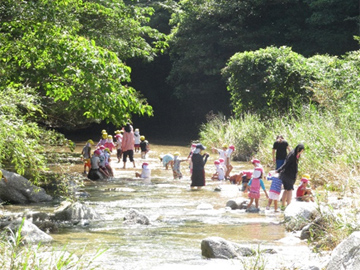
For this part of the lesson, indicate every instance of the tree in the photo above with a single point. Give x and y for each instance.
(268, 80)
(77, 68)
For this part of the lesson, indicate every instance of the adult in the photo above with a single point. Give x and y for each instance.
(127, 144)
(288, 172)
(279, 151)
(198, 163)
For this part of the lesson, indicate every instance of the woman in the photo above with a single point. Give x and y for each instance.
(288, 172)
(198, 164)
(127, 144)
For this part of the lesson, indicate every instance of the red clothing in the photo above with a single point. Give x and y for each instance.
(128, 141)
(300, 191)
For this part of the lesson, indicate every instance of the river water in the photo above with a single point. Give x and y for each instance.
(180, 218)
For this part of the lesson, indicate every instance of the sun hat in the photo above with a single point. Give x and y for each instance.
(90, 141)
(216, 162)
(232, 147)
(256, 161)
(200, 146)
(306, 176)
(221, 160)
(176, 154)
(224, 145)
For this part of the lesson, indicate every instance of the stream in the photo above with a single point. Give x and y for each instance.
(180, 217)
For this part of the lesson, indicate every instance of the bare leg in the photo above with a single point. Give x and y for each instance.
(257, 203)
(275, 205)
(250, 203)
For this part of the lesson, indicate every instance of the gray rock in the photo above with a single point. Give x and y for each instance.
(298, 214)
(237, 203)
(19, 190)
(219, 248)
(346, 256)
(74, 212)
(134, 217)
(29, 232)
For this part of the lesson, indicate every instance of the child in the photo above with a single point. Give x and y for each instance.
(254, 187)
(229, 167)
(303, 193)
(242, 178)
(167, 160)
(223, 165)
(176, 166)
(102, 163)
(137, 140)
(107, 162)
(118, 138)
(110, 143)
(220, 173)
(86, 155)
(103, 139)
(145, 171)
(96, 172)
(275, 190)
(144, 146)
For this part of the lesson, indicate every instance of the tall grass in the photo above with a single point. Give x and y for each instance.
(332, 152)
(15, 254)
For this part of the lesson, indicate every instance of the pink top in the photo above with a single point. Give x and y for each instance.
(128, 141)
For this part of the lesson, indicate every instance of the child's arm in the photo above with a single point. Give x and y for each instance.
(263, 187)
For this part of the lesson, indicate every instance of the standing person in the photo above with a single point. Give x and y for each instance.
(288, 172)
(254, 187)
(110, 143)
(107, 162)
(275, 190)
(127, 144)
(229, 167)
(137, 140)
(176, 167)
(118, 138)
(198, 170)
(144, 146)
(281, 148)
(86, 155)
(103, 138)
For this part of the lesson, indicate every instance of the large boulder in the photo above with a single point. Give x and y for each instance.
(298, 214)
(134, 217)
(74, 212)
(19, 190)
(346, 256)
(219, 248)
(29, 232)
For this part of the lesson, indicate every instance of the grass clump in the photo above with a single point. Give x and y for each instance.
(16, 254)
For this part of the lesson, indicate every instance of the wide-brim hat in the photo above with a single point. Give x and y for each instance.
(200, 146)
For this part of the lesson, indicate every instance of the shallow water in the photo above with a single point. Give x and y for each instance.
(180, 218)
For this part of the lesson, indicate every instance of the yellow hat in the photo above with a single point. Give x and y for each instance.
(117, 131)
(104, 135)
(176, 154)
(224, 145)
(103, 131)
(142, 138)
(90, 141)
(306, 176)
(1, 174)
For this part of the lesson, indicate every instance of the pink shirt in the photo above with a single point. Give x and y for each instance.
(128, 141)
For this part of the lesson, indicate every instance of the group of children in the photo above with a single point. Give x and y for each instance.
(252, 181)
(98, 164)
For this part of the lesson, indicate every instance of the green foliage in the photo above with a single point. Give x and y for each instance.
(267, 80)
(15, 254)
(72, 53)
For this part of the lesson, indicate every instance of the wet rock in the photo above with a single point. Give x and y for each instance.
(219, 248)
(238, 203)
(74, 212)
(134, 217)
(217, 189)
(29, 232)
(19, 190)
(43, 221)
(346, 256)
(298, 214)
(253, 209)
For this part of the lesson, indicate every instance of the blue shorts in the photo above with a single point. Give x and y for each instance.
(279, 163)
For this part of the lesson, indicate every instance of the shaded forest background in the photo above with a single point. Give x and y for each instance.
(81, 66)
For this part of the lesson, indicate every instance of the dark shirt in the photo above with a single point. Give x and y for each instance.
(143, 146)
(280, 148)
(199, 161)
